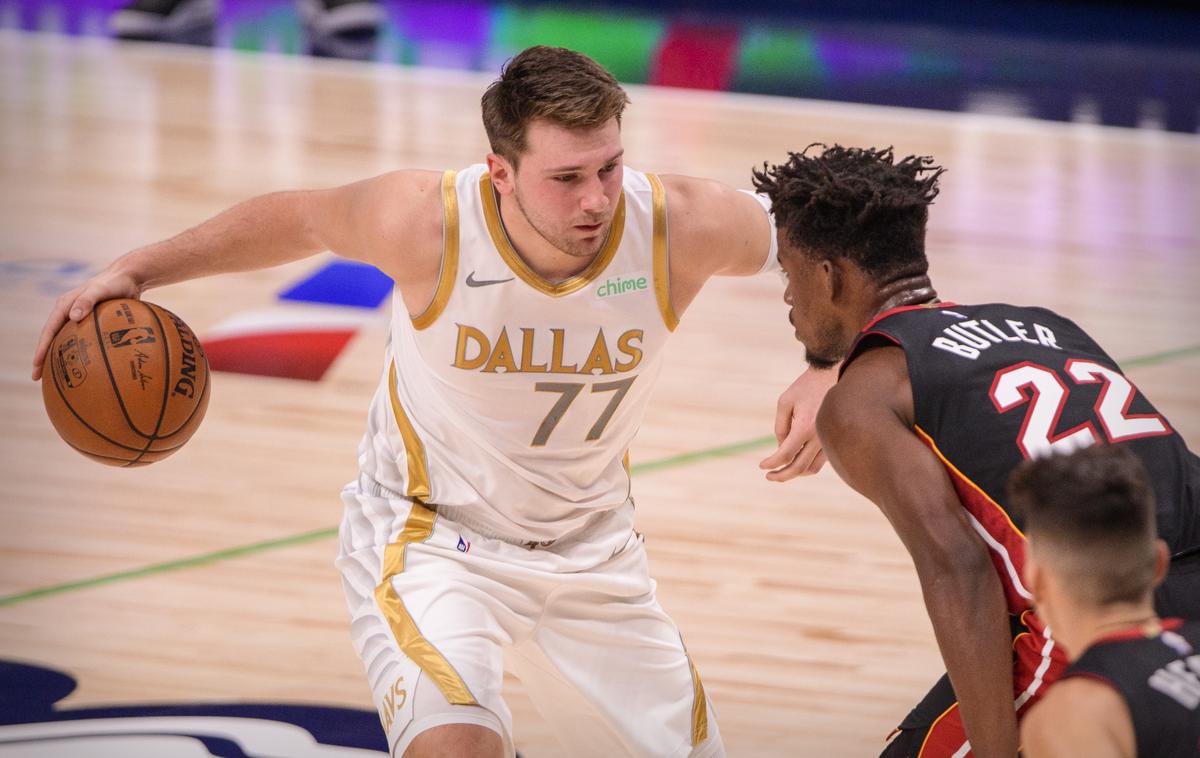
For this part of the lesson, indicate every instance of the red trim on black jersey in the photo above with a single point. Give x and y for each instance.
(995, 521)
(1139, 632)
(903, 308)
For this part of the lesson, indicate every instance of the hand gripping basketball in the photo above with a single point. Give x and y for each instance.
(127, 384)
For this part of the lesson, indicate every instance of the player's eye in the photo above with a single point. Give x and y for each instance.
(609, 168)
(565, 178)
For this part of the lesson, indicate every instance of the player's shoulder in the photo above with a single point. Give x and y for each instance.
(1088, 693)
(398, 219)
(411, 185)
(873, 384)
(1075, 712)
(407, 201)
(872, 365)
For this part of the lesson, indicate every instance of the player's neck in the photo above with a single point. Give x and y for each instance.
(1084, 626)
(538, 253)
(903, 291)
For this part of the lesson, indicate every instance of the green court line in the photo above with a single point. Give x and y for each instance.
(1164, 357)
(673, 461)
(159, 568)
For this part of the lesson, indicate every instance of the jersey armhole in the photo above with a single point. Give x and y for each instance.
(449, 268)
(771, 264)
(865, 342)
(662, 263)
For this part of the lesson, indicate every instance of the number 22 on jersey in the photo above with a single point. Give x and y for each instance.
(1046, 393)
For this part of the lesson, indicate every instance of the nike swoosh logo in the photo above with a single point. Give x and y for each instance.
(473, 282)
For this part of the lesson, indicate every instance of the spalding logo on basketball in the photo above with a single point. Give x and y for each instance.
(126, 385)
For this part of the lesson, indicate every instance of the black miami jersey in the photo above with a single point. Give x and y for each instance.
(1158, 677)
(995, 384)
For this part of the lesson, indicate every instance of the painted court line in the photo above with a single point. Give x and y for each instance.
(661, 464)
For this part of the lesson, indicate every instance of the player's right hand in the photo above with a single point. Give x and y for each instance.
(79, 302)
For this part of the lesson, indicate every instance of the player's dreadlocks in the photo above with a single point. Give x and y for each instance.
(855, 203)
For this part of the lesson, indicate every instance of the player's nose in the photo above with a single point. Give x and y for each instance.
(593, 199)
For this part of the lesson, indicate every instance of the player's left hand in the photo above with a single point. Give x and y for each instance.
(799, 452)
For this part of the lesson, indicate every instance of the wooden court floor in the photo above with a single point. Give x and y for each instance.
(796, 600)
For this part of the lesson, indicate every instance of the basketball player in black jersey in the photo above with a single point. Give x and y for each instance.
(936, 405)
(1133, 685)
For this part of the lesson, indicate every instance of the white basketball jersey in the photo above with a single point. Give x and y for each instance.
(511, 402)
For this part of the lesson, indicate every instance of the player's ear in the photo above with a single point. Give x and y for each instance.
(1162, 561)
(832, 275)
(503, 172)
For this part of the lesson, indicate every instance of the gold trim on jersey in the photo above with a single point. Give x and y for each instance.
(662, 266)
(946, 462)
(414, 450)
(699, 707)
(933, 726)
(449, 269)
(417, 528)
(491, 214)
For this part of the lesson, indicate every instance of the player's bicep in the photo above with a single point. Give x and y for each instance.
(751, 242)
(717, 230)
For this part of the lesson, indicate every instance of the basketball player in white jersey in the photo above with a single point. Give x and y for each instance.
(491, 523)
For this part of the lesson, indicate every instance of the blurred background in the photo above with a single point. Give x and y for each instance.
(1131, 64)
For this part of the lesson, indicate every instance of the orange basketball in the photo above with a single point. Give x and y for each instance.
(126, 385)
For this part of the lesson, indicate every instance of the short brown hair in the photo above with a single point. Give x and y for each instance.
(1094, 510)
(551, 83)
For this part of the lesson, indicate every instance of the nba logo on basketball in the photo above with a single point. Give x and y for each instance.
(138, 335)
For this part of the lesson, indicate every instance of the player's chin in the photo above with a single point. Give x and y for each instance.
(589, 245)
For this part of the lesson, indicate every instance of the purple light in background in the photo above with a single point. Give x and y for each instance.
(446, 35)
(852, 59)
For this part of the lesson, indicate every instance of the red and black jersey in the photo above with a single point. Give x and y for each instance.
(1158, 676)
(995, 384)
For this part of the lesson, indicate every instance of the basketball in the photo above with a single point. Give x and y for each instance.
(127, 384)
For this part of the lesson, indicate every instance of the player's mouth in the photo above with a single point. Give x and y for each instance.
(589, 228)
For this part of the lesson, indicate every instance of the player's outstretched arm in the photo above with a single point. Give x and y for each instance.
(1079, 717)
(366, 221)
(866, 427)
(716, 230)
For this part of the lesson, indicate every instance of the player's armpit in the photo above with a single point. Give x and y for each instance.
(1078, 717)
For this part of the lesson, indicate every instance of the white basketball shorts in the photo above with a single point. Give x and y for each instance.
(441, 610)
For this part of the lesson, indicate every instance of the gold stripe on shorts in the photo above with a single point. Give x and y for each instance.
(699, 707)
(418, 528)
(414, 449)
